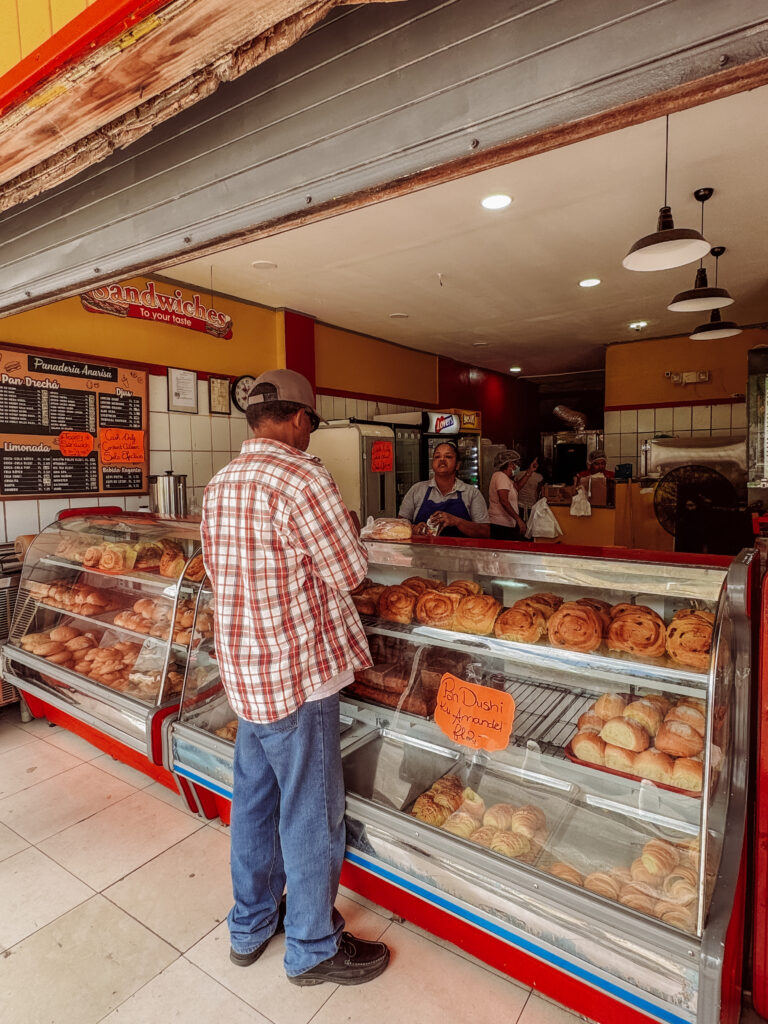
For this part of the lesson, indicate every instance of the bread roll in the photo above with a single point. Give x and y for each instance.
(692, 702)
(646, 713)
(603, 884)
(654, 765)
(662, 703)
(476, 614)
(635, 898)
(396, 605)
(659, 857)
(568, 874)
(682, 713)
(619, 759)
(610, 705)
(688, 774)
(679, 739)
(461, 824)
(499, 816)
(622, 732)
(63, 633)
(391, 529)
(590, 722)
(643, 876)
(588, 746)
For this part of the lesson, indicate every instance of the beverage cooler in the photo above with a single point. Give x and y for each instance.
(607, 873)
(463, 427)
(102, 628)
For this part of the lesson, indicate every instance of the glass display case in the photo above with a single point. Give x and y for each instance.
(103, 624)
(602, 835)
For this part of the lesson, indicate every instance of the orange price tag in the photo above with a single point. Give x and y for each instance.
(382, 457)
(119, 445)
(473, 715)
(75, 442)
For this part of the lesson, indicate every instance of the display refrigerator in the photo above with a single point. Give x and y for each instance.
(605, 872)
(102, 628)
(463, 428)
(360, 456)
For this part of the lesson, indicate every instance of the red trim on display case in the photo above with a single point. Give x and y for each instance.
(521, 966)
(155, 731)
(122, 753)
(733, 955)
(760, 895)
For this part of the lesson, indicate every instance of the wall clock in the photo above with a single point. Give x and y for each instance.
(240, 388)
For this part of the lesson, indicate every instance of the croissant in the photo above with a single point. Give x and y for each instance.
(659, 857)
(603, 884)
(396, 605)
(476, 614)
(437, 608)
(689, 639)
(576, 627)
(523, 623)
(602, 608)
(547, 604)
(638, 632)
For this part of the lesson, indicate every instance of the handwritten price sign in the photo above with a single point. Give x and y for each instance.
(382, 457)
(75, 442)
(118, 445)
(473, 715)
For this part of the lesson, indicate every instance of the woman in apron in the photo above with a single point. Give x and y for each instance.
(458, 508)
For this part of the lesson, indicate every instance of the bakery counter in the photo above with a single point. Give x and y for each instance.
(597, 530)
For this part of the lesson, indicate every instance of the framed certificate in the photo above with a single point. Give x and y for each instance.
(182, 390)
(218, 396)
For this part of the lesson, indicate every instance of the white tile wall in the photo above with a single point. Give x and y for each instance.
(625, 445)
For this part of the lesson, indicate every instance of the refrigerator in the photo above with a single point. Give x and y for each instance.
(361, 459)
(463, 427)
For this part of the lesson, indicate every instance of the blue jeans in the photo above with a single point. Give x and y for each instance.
(288, 829)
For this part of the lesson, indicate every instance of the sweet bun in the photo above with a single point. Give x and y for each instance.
(674, 914)
(610, 705)
(396, 605)
(391, 529)
(499, 816)
(688, 774)
(659, 857)
(418, 584)
(80, 643)
(642, 875)
(602, 608)
(634, 897)
(604, 884)
(547, 604)
(588, 746)
(510, 844)
(476, 614)
(62, 658)
(681, 713)
(461, 824)
(50, 647)
(63, 633)
(646, 713)
(528, 820)
(590, 722)
(619, 759)
(484, 836)
(569, 874)
(623, 732)
(464, 587)
(654, 765)
(679, 739)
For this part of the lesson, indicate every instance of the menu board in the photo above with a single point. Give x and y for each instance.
(73, 427)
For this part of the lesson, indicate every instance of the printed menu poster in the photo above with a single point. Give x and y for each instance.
(73, 427)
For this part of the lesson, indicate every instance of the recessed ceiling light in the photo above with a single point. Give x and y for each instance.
(515, 369)
(398, 316)
(589, 282)
(497, 202)
(480, 344)
(264, 265)
(638, 325)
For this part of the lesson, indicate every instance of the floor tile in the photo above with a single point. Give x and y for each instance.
(426, 983)
(543, 1011)
(80, 967)
(114, 842)
(40, 727)
(11, 733)
(33, 892)
(72, 743)
(185, 892)
(168, 796)
(183, 994)
(445, 944)
(124, 772)
(10, 842)
(57, 803)
(29, 764)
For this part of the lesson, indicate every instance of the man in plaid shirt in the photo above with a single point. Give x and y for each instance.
(282, 555)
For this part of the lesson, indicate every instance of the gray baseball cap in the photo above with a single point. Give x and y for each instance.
(288, 385)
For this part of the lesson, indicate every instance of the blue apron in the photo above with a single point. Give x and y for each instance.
(455, 506)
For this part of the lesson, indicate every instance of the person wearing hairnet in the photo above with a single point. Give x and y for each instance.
(503, 509)
(597, 463)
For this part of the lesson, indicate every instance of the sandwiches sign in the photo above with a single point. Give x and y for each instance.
(156, 306)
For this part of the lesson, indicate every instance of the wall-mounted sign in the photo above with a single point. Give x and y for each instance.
(155, 306)
(473, 715)
(442, 423)
(70, 427)
(182, 390)
(382, 457)
(218, 396)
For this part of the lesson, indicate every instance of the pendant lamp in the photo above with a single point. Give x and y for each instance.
(717, 327)
(701, 296)
(668, 246)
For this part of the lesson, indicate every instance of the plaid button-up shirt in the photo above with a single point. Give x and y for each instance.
(282, 555)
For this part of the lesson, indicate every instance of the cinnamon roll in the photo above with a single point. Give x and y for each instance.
(689, 639)
(465, 587)
(396, 605)
(437, 608)
(619, 609)
(418, 584)
(638, 632)
(547, 604)
(476, 614)
(523, 623)
(576, 627)
(602, 608)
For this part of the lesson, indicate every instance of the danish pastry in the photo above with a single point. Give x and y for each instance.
(602, 608)
(476, 614)
(547, 604)
(522, 623)
(575, 627)
(418, 584)
(689, 639)
(639, 632)
(426, 810)
(396, 605)
(464, 587)
(437, 608)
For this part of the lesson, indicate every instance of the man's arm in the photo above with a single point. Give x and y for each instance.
(327, 533)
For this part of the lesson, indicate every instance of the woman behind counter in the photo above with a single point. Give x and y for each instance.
(506, 523)
(445, 499)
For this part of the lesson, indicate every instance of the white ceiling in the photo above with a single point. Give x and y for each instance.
(510, 278)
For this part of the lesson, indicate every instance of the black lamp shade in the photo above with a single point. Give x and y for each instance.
(667, 247)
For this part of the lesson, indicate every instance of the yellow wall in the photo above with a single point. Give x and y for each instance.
(345, 361)
(256, 345)
(27, 24)
(634, 372)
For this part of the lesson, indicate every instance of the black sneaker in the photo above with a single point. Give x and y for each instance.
(355, 962)
(246, 959)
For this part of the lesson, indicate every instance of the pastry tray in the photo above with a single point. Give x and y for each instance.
(625, 775)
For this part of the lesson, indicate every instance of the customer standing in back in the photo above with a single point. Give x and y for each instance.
(282, 555)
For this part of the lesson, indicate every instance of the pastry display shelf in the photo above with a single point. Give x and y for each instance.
(147, 580)
(605, 671)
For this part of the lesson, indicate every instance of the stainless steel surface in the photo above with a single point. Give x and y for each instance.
(727, 455)
(168, 494)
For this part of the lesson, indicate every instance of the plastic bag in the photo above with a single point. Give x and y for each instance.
(386, 529)
(542, 522)
(580, 505)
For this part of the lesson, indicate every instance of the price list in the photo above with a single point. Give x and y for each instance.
(23, 410)
(124, 479)
(72, 410)
(47, 473)
(120, 411)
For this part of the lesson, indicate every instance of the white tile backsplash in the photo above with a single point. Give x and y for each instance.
(220, 439)
(628, 421)
(702, 417)
(49, 508)
(663, 421)
(238, 431)
(202, 467)
(181, 432)
(182, 463)
(721, 417)
(612, 444)
(21, 517)
(201, 433)
(681, 418)
(159, 462)
(203, 408)
(158, 393)
(645, 420)
(159, 430)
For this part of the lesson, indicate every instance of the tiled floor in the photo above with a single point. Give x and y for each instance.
(112, 907)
